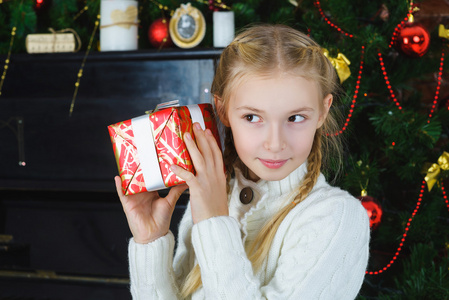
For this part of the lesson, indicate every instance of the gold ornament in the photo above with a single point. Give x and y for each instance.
(187, 26)
(443, 32)
(363, 193)
(341, 65)
(435, 169)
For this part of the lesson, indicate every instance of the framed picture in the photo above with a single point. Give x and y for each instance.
(187, 26)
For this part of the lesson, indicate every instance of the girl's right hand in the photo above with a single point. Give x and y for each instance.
(147, 213)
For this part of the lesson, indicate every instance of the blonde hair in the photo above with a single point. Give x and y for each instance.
(264, 50)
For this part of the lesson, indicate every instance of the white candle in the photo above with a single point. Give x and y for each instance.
(118, 25)
(224, 28)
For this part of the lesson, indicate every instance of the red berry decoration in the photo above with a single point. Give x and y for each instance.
(373, 209)
(413, 40)
(159, 34)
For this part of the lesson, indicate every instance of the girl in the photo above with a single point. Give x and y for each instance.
(270, 227)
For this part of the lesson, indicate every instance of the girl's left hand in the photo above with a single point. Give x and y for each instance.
(208, 197)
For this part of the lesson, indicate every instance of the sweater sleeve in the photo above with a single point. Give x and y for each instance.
(151, 271)
(320, 251)
(226, 272)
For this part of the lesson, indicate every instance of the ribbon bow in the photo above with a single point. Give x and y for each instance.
(434, 171)
(163, 105)
(443, 32)
(341, 65)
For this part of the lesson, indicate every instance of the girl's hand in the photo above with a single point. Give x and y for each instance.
(208, 197)
(147, 213)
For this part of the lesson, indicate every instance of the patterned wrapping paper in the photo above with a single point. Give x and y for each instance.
(168, 127)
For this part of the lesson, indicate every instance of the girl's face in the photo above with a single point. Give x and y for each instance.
(273, 122)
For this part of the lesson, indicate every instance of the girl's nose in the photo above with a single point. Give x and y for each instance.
(275, 140)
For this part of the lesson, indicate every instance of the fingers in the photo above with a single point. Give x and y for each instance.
(216, 151)
(200, 151)
(174, 194)
(205, 152)
(118, 186)
(122, 197)
(182, 173)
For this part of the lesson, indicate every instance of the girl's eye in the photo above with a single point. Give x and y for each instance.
(296, 118)
(252, 118)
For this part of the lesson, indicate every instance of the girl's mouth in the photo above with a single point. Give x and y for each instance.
(273, 164)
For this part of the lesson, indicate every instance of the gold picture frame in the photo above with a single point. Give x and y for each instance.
(187, 26)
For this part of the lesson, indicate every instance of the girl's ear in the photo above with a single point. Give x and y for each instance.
(327, 103)
(221, 111)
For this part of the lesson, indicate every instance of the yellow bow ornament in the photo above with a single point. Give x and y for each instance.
(341, 65)
(443, 32)
(434, 171)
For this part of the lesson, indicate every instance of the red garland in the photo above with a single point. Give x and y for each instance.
(318, 5)
(445, 196)
(354, 98)
(437, 92)
(418, 204)
(399, 26)
(387, 81)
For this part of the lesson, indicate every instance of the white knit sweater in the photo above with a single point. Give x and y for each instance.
(320, 251)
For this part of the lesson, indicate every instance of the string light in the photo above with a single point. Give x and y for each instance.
(387, 81)
(8, 57)
(323, 15)
(437, 92)
(80, 72)
(354, 98)
(401, 244)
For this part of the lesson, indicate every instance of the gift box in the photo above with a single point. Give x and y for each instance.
(146, 146)
(56, 41)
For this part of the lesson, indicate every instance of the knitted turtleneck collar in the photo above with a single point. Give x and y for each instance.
(268, 197)
(273, 188)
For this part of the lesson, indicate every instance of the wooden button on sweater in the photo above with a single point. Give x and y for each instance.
(246, 195)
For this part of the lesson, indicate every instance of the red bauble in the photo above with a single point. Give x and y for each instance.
(159, 34)
(373, 209)
(413, 40)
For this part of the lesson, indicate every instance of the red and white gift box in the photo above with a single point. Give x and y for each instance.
(146, 146)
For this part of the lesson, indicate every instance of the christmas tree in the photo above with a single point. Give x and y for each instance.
(396, 125)
(391, 59)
